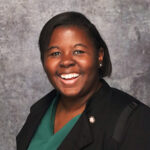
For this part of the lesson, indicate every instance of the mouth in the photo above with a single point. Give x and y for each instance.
(69, 78)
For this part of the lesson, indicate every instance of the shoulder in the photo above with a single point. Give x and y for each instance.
(119, 101)
(132, 123)
(119, 95)
(37, 111)
(137, 124)
(121, 98)
(113, 100)
(138, 116)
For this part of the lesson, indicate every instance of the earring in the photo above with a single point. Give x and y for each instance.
(100, 64)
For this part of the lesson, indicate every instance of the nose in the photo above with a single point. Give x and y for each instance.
(67, 61)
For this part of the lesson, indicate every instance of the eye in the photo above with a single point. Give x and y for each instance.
(55, 54)
(78, 52)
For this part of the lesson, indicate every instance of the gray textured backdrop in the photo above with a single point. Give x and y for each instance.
(124, 24)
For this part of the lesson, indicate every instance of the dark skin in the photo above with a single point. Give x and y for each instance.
(71, 64)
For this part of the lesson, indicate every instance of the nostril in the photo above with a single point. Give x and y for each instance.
(67, 63)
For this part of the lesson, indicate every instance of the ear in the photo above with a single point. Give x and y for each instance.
(101, 54)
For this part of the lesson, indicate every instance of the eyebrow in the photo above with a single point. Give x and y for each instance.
(52, 47)
(80, 44)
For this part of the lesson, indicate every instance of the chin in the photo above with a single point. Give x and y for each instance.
(70, 93)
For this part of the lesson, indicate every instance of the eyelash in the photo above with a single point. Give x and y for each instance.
(55, 54)
(76, 52)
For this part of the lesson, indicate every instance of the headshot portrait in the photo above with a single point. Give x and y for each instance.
(75, 75)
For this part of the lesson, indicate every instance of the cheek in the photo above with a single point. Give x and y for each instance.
(50, 66)
(89, 64)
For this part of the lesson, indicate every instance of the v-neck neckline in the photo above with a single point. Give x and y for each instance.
(52, 120)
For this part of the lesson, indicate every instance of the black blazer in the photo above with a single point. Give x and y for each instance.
(105, 107)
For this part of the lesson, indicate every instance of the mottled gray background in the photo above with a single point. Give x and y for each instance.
(124, 24)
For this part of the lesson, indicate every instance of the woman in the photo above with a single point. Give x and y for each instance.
(83, 111)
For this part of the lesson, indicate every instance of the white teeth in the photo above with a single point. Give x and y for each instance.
(69, 76)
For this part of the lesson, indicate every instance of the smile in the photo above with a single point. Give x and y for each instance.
(69, 79)
(69, 76)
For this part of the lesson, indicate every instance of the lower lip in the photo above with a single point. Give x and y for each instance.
(69, 81)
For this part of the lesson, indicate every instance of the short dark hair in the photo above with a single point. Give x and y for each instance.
(79, 20)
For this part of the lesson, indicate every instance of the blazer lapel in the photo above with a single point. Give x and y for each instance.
(79, 137)
(37, 111)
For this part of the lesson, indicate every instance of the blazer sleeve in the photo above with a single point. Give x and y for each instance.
(137, 136)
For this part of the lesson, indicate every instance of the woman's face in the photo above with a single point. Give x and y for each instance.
(71, 61)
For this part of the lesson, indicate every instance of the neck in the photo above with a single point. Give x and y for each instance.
(76, 104)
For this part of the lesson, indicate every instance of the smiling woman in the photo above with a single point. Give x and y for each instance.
(83, 111)
(73, 57)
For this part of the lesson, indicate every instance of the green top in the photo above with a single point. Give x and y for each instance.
(44, 138)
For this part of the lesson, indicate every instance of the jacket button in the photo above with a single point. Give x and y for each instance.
(91, 119)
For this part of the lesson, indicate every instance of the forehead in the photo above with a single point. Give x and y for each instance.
(68, 28)
(70, 31)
